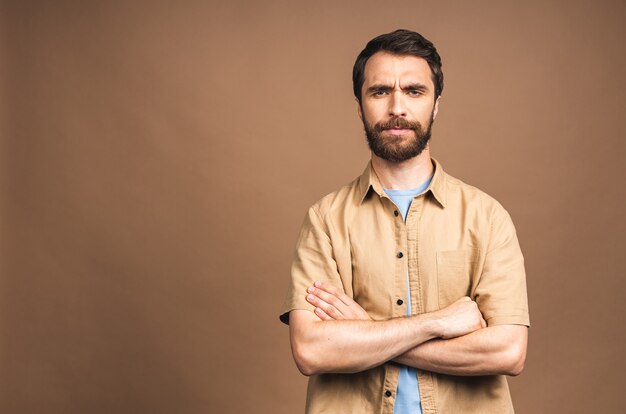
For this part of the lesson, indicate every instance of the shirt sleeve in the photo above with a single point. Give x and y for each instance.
(313, 260)
(501, 291)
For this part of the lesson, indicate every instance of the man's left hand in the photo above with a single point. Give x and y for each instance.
(332, 304)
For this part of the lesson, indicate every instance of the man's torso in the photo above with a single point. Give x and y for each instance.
(457, 241)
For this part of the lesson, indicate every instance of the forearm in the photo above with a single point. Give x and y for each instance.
(494, 350)
(348, 346)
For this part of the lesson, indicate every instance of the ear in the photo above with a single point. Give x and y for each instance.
(358, 108)
(436, 107)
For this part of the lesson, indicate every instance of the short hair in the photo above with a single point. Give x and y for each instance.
(399, 42)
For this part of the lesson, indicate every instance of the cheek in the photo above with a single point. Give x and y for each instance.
(422, 111)
(374, 112)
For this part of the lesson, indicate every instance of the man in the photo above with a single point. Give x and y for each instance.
(408, 289)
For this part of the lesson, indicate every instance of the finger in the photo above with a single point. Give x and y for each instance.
(348, 307)
(322, 315)
(338, 293)
(328, 308)
(328, 298)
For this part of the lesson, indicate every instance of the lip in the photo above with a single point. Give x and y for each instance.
(397, 131)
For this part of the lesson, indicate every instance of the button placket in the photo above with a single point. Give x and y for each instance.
(413, 224)
(401, 269)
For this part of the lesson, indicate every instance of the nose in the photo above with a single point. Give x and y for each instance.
(396, 104)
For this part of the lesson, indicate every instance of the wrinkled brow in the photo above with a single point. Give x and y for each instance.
(381, 87)
(415, 86)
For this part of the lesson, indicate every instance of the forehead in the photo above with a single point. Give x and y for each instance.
(387, 68)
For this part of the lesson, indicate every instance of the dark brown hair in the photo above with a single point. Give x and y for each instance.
(398, 42)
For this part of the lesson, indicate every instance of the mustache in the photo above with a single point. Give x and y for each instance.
(398, 122)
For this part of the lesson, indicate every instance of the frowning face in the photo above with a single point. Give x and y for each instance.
(397, 105)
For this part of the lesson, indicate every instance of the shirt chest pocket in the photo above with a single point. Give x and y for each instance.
(455, 269)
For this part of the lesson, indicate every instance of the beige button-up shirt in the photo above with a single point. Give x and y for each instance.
(457, 241)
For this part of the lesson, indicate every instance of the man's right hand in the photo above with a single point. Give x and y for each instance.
(459, 318)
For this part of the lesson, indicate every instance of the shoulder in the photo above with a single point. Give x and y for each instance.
(338, 202)
(459, 193)
(477, 208)
(459, 188)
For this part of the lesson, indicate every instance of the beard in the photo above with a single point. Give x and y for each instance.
(397, 148)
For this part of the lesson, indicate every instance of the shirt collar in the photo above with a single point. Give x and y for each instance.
(369, 182)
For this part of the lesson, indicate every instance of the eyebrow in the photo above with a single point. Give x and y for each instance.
(415, 86)
(380, 87)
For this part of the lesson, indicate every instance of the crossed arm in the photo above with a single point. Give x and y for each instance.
(340, 337)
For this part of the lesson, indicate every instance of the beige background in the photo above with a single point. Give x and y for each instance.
(157, 159)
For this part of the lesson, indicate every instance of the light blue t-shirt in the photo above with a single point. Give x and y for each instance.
(407, 395)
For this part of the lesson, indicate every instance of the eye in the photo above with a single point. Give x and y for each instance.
(379, 93)
(414, 92)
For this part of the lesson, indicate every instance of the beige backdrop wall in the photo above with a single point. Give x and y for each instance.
(157, 160)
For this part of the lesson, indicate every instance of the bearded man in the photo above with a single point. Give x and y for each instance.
(408, 291)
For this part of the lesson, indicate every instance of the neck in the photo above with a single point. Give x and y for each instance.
(404, 175)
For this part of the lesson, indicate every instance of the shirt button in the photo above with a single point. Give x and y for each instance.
(399, 255)
(399, 301)
(387, 393)
(395, 213)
